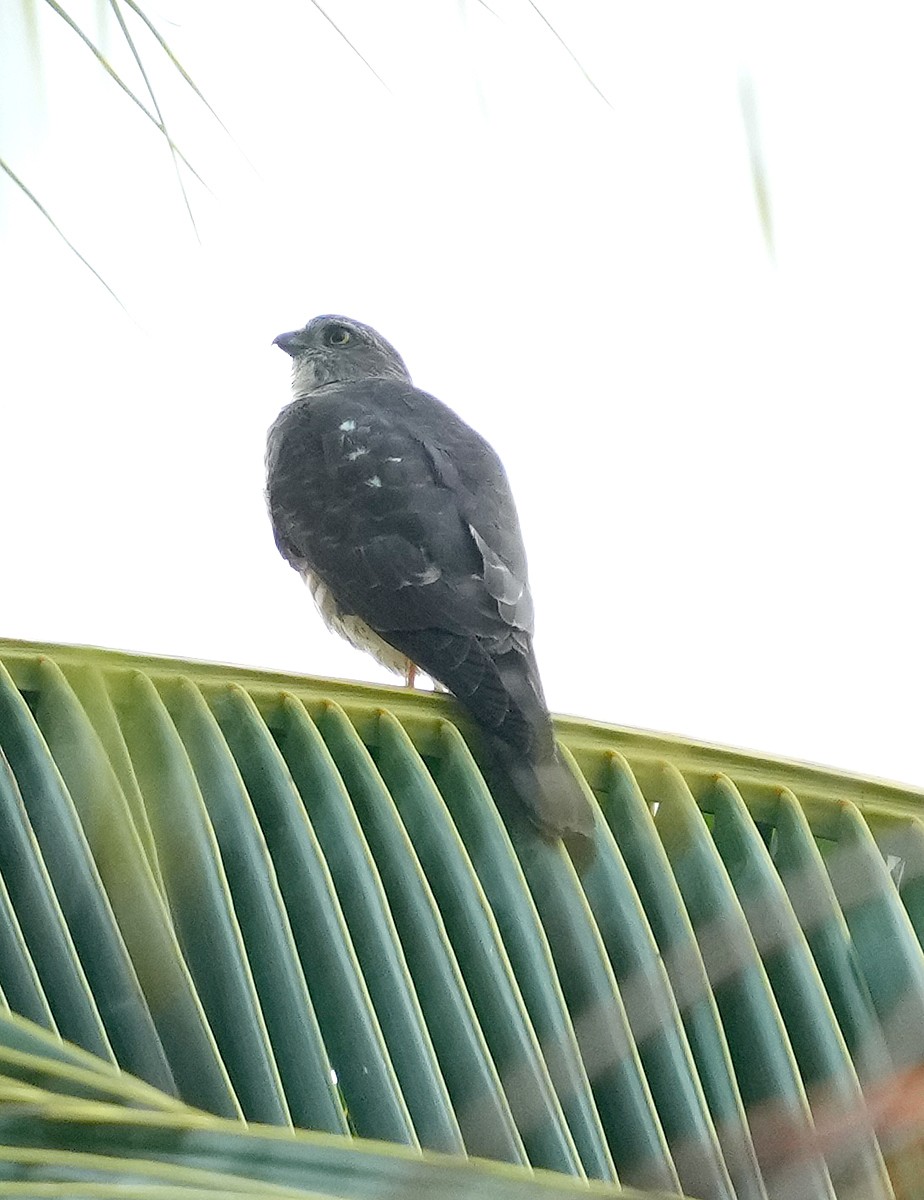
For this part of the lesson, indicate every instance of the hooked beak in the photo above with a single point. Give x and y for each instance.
(287, 342)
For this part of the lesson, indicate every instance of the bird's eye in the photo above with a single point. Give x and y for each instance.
(337, 336)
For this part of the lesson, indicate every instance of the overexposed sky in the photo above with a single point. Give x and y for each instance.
(716, 453)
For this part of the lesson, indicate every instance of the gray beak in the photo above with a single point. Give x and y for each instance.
(286, 341)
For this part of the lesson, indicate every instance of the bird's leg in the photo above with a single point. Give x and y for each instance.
(410, 674)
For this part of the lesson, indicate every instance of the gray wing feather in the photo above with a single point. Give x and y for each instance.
(514, 600)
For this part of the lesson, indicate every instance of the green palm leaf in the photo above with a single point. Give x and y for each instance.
(296, 902)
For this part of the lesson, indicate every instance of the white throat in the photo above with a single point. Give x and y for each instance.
(305, 376)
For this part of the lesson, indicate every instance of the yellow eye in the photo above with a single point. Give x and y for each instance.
(337, 336)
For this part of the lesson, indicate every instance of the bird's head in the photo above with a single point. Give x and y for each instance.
(334, 349)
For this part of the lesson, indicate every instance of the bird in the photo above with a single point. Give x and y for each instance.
(400, 518)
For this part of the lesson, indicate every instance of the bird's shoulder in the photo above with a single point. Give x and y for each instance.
(384, 417)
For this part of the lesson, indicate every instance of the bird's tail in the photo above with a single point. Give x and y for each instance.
(549, 792)
(524, 745)
(504, 695)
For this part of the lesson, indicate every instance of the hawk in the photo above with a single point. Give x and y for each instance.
(400, 518)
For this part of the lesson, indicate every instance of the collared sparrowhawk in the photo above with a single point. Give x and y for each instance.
(400, 518)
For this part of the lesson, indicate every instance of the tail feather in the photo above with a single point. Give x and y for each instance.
(504, 695)
(548, 791)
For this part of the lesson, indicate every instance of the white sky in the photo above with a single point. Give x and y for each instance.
(717, 457)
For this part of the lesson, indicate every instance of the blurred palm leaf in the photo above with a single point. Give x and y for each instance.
(120, 12)
(759, 179)
(11, 174)
(139, 34)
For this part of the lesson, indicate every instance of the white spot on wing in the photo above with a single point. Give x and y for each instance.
(357, 453)
(348, 426)
(374, 481)
(392, 459)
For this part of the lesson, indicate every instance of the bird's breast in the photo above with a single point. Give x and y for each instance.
(351, 627)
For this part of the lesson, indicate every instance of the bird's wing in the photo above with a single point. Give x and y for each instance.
(403, 511)
(406, 515)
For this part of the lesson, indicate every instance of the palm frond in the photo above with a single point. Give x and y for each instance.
(356, 51)
(7, 169)
(114, 75)
(759, 179)
(574, 58)
(153, 113)
(129, 41)
(187, 78)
